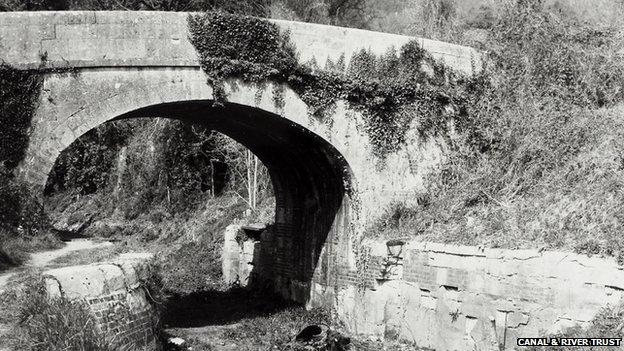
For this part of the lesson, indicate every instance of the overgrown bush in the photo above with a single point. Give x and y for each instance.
(19, 94)
(535, 159)
(24, 226)
(390, 91)
(50, 324)
(194, 263)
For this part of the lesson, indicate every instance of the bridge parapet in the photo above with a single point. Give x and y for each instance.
(145, 38)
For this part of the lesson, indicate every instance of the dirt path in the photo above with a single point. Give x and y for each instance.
(42, 259)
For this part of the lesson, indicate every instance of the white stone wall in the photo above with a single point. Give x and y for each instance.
(467, 298)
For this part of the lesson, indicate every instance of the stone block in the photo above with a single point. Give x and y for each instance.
(119, 308)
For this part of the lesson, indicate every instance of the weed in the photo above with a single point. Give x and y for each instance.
(44, 323)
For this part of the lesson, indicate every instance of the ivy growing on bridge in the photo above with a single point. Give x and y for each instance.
(19, 91)
(390, 91)
(19, 94)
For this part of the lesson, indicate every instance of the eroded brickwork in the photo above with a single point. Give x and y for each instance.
(129, 325)
(465, 298)
(115, 295)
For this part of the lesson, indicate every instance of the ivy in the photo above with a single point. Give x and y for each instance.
(390, 91)
(19, 93)
(248, 48)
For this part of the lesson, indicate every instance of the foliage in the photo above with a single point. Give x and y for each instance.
(20, 211)
(353, 13)
(11, 253)
(48, 323)
(85, 166)
(193, 262)
(19, 93)
(252, 7)
(23, 223)
(534, 160)
(390, 91)
(15, 249)
(24, 226)
(194, 267)
(147, 166)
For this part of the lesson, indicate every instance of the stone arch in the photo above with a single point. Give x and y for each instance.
(310, 176)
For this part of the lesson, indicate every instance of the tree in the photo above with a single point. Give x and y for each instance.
(353, 13)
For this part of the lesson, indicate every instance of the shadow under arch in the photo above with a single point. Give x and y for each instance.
(311, 181)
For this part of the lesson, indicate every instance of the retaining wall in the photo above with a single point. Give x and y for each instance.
(466, 298)
(448, 297)
(115, 295)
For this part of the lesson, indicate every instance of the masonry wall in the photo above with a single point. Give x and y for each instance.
(464, 298)
(115, 296)
(448, 297)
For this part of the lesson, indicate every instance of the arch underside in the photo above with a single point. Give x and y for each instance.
(308, 174)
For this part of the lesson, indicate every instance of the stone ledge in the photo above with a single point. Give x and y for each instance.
(97, 279)
(67, 35)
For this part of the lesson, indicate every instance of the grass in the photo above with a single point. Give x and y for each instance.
(38, 322)
(15, 250)
(24, 226)
(575, 204)
(187, 244)
(535, 160)
(41, 323)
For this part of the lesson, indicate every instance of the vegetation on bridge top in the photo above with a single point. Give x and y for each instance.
(538, 161)
(531, 143)
(390, 91)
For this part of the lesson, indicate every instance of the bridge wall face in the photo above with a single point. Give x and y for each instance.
(328, 183)
(137, 38)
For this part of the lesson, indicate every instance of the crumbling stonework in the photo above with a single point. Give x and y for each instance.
(115, 295)
(238, 257)
(450, 297)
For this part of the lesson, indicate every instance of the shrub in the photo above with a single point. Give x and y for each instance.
(11, 252)
(20, 210)
(19, 93)
(194, 267)
(389, 91)
(24, 226)
(50, 324)
(533, 160)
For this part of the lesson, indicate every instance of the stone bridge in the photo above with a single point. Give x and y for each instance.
(328, 183)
